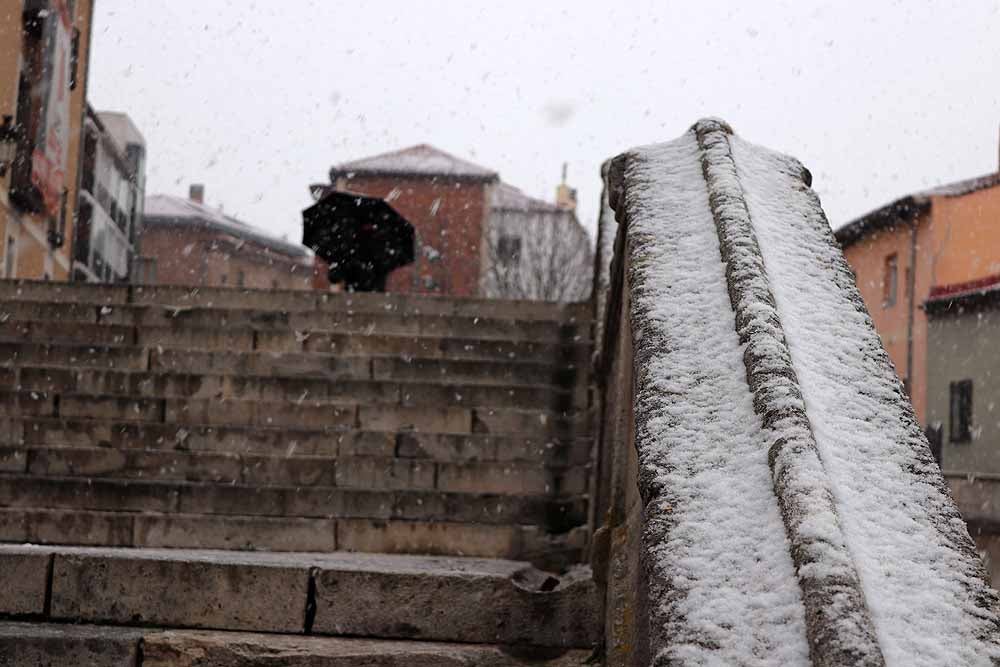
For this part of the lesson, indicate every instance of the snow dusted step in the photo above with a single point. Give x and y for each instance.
(289, 443)
(472, 600)
(69, 645)
(288, 301)
(792, 507)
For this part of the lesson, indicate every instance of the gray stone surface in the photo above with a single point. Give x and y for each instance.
(195, 649)
(177, 589)
(52, 645)
(23, 580)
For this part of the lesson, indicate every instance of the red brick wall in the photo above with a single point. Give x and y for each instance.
(449, 217)
(203, 257)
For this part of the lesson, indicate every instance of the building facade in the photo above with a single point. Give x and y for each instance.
(44, 54)
(446, 200)
(963, 375)
(902, 252)
(185, 242)
(475, 235)
(110, 203)
(535, 249)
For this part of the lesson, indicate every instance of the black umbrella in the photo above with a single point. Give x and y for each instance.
(361, 238)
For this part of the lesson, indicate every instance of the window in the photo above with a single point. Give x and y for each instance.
(960, 422)
(890, 281)
(509, 250)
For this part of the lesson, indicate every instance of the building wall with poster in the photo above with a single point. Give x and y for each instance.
(44, 53)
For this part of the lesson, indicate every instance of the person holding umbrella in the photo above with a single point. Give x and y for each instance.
(362, 238)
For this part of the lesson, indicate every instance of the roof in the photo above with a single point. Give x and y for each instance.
(508, 198)
(178, 211)
(960, 297)
(419, 160)
(908, 207)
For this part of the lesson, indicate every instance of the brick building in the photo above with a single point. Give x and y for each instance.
(185, 242)
(473, 232)
(905, 251)
(44, 55)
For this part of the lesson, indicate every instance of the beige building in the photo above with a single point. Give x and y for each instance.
(44, 54)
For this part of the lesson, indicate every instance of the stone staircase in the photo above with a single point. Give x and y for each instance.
(378, 479)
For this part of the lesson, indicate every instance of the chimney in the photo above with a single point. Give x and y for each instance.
(565, 195)
(196, 193)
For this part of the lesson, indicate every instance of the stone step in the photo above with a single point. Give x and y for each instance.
(173, 384)
(186, 497)
(288, 442)
(349, 472)
(56, 526)
(288, 300)
(362, 595)
(325, 349)
(71, 645)
(46, 316)
(306, 413)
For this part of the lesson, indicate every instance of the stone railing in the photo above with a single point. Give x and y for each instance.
(763, 493)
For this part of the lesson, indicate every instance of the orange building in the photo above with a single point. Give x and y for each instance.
(44, 52)
(923, 242)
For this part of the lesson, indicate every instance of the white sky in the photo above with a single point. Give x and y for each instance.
(259, 99)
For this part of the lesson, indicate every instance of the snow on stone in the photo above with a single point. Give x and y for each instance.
(723, 588)
(922, 581)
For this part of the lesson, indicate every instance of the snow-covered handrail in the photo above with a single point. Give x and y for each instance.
(791, 512)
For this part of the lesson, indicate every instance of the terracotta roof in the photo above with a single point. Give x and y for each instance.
(421, 160)
(906, 208)
(167, 209)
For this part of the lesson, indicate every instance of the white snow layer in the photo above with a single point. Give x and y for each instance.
(722, 584)
(723, 588)
(924, 590)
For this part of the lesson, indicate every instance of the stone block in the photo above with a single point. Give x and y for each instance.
(499, 602)
(399, 418)
(88, 494)
(288, 470)
(490, 477)
(92, 293)
(66, 432)
(25, 404)
(429, 538)
(234, 532)
(42, 311)
(178, 589)
(304, 414)
(446, 447)
(382, 473)
(63, 645)
(13, 459)
(216, 413)
(190, 648)
(110, 407)
(65, 526)
(24, 577)
(56, 380)
(280, 342)
(224, 297)
(365, 443)
(197, 339)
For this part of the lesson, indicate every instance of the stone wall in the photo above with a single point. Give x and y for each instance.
(762, 487)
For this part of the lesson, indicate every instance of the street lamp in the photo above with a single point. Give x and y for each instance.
(8, 144)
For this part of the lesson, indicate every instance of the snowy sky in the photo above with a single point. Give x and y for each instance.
(259, 99)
